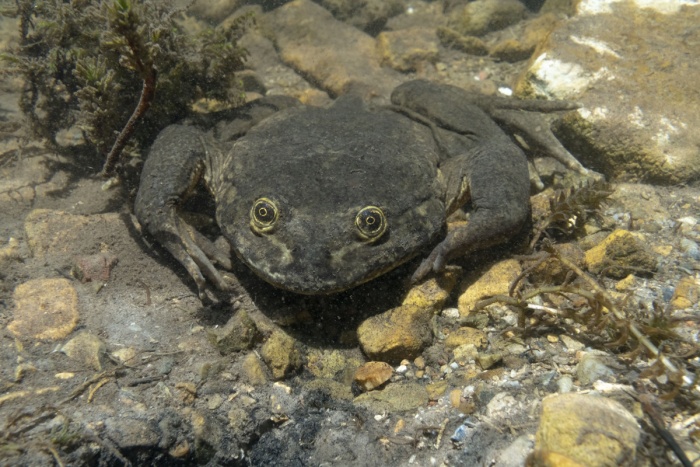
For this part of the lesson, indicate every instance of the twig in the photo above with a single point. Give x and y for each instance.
(147, 95)
(646, 401)
(443, 425)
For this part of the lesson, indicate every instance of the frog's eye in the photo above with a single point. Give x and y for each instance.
(370, 223)
(263, 215)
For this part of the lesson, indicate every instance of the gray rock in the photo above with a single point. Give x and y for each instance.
(690, 248)
(629, 66)
(515, 454)
(482, 16)
(334, 54)
(128, 432)
(591, 369)
(368, 15)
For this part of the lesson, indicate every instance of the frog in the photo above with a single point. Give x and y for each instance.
(318, 200)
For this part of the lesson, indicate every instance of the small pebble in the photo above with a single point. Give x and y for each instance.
(571, 344)
(373, 374)
(690, 248)
(460, 434)
(591, 369)
(450, 313)
(565, 384)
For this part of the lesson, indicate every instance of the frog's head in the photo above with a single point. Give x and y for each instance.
(314, 209)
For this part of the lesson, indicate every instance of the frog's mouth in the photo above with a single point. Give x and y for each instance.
(321, 271)
(316, 283)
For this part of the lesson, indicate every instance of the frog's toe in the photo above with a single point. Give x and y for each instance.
(535, 130)
(425, 267)
(435, 262)
(196, 258)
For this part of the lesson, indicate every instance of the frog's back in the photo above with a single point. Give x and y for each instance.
(321, 167)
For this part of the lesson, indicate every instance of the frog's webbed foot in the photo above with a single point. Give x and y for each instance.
(190, 248)
(534, 128)
(526, 119)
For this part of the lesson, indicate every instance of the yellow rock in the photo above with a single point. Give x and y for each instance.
(373, 374)
(125, 355)
(44, 309)
(432, 293)
(396, 334)
(281, 354)
(687, 293)
(663, 250)
(252, 370)
(323, 363)
(86, 349)
(436, 389)
(496, 280)
(625, 284)
(621, 253)
(588, 430)
(466, 335)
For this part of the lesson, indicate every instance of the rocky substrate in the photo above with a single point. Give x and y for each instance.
(110, 358)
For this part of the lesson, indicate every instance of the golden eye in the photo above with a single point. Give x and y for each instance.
(263, 215)
(370, 223)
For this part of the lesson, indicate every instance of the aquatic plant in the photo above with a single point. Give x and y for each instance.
(570, 209)
(119, 70)
(583, 306)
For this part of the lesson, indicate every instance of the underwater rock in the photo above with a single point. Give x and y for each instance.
(588, 430)
(495, 280)
(332, 53)
(483, 16)
(408, 49)
(620, 254)
(44, 309)
(627, 63)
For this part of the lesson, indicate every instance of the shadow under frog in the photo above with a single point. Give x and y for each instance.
(318, 201)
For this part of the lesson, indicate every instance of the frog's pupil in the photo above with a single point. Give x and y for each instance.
(370, 221)
(265, 212)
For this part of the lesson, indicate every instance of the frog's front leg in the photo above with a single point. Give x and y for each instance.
(175, 163)
(494, 178)
(492, 173)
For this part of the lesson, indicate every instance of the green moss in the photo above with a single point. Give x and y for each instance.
(99, 65)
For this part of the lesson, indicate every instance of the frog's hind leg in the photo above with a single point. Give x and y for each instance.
(522, 117)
